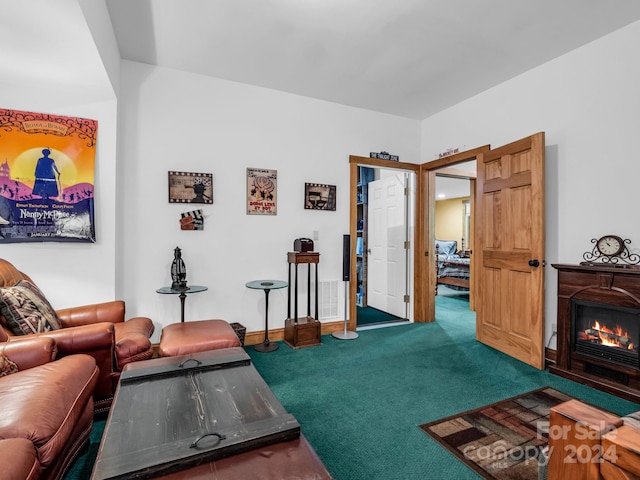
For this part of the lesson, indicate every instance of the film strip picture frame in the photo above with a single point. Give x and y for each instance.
(318, 196)
(190, 187)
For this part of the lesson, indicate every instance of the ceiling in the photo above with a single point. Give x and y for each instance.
(448, 188)
(411, 58)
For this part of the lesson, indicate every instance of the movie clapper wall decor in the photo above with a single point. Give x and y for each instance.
(193, 220)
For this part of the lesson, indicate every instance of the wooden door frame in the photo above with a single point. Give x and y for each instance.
(354, 162)
(425, 267)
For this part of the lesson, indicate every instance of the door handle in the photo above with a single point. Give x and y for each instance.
(534, 263)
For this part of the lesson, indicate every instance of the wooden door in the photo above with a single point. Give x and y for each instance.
(386, 239)
(509, 249)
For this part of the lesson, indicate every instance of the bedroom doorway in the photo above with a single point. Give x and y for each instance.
(453, 235)
(461, 166)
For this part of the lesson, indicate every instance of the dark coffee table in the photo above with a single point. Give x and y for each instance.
(175, 415)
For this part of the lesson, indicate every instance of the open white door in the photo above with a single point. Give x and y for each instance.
(387, 275)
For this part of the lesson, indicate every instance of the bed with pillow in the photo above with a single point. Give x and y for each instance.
(452, 269)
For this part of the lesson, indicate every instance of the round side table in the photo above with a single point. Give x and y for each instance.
(267, 286)
(182, 292)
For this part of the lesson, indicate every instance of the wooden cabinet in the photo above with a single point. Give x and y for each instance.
(365, 175)
(303, 333)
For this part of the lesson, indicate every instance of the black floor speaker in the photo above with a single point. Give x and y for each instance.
(346, 257)
(346, 273)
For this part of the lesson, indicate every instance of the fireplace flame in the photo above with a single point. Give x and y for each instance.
(613, 338)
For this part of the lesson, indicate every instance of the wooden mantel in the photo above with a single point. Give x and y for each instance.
(618, 286)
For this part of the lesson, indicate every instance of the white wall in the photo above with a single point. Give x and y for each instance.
(588, 104)
(172, 120)
(69, 273)
(586, 101)
(99, 25)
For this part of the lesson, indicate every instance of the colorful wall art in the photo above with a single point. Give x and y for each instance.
(47, 167)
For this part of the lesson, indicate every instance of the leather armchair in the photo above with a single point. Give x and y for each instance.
(44, 426)
(99, 330)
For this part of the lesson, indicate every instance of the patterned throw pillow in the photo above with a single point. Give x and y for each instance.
(7, 367)
(26, 310)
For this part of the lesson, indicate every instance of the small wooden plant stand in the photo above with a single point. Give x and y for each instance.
(305, 331)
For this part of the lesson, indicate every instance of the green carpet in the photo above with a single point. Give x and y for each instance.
(372, 316)
(81, 469)
(360, 402)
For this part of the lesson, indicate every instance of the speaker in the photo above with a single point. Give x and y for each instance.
(346, 273)
(346, 257)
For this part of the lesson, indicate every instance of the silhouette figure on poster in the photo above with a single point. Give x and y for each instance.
(46, 184)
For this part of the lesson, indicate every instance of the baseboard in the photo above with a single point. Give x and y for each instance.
(277, 334)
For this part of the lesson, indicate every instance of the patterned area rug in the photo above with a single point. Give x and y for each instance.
(503, 440)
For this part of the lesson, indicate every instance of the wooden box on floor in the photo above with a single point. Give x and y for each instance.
(303, 333)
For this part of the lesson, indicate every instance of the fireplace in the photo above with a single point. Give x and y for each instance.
(606, 332)
(598, 327)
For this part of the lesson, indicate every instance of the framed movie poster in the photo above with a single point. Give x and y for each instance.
(186, 187)
(318, 196)
(262, 196)
(46, 177)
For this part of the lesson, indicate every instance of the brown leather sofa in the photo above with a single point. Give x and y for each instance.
(99, 330)
(47, 409)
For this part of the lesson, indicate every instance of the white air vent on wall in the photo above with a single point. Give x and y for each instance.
(328, 301)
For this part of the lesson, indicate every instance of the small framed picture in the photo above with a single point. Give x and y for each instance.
(262, 191)
(187, 187)
(318, 196)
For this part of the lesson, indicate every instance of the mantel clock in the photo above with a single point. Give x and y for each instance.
(610, 250)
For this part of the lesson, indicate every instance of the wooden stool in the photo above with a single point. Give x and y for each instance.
(199, 336)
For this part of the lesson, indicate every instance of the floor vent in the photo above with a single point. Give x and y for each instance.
(328, 301)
